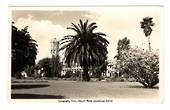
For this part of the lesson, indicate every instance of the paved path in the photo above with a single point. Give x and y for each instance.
(83, 90)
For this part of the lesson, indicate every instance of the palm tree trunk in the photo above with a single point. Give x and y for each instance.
(149, 44)
(86, 76)
(99, 76)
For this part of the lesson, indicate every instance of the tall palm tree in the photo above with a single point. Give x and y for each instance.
(146, 26)
(87, 48)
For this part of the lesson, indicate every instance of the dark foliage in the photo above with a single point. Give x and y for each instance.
(51, 66)
(146, 25)
(24, 50)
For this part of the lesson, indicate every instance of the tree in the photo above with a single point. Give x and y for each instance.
(24, 50)
(86, 47)
(99, 69)
(56, 66)
(51, 66)
(123, 45)
(45, 65)
(142, 65)
(29, 70)
(146, 26)
(68, 74)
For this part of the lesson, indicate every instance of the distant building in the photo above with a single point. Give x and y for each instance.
(54, 47)
(111, 68)
(74, 69)
(54, 55)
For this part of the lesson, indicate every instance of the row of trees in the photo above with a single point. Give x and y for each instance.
(89, 50)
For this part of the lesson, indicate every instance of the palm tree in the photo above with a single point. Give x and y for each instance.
(24, 50)
(146, 26)
(87, 48)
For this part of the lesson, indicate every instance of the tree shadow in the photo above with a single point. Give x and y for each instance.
(155, 87)
(36, 96)
(24, 86)
(29, 81)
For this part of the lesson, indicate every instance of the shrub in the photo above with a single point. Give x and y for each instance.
(68, 74)
(142, 65)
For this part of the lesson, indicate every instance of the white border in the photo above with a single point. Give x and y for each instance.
(161, 76)
(4, 104)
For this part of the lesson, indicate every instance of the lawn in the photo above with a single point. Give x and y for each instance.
(82, 90)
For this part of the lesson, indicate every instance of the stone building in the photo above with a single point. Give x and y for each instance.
(54, 47)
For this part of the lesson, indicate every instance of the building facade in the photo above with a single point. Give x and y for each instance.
(111, 67)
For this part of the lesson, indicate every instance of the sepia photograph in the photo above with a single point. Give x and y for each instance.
(87, 54)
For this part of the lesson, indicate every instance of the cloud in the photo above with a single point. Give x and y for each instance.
(120, 22)
(63, 18)
(42, 31)
(115, 22)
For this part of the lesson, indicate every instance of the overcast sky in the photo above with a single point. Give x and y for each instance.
(116, 22)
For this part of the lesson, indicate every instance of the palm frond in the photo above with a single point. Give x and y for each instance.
(100, 34)
(92, 28)
(86, 48)
(76, 27)
(85, 25)
(90, 25)
(81, 24)
(72, 28)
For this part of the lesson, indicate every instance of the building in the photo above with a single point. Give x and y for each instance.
(111, 68)
(54, 47)
(55, 57)
(74, 69)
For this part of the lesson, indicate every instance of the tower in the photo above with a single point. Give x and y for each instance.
(54, 47)
(55, 57)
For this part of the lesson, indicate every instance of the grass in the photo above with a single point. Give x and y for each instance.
(82, 90)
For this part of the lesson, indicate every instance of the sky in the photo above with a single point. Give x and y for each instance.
(116, 22)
